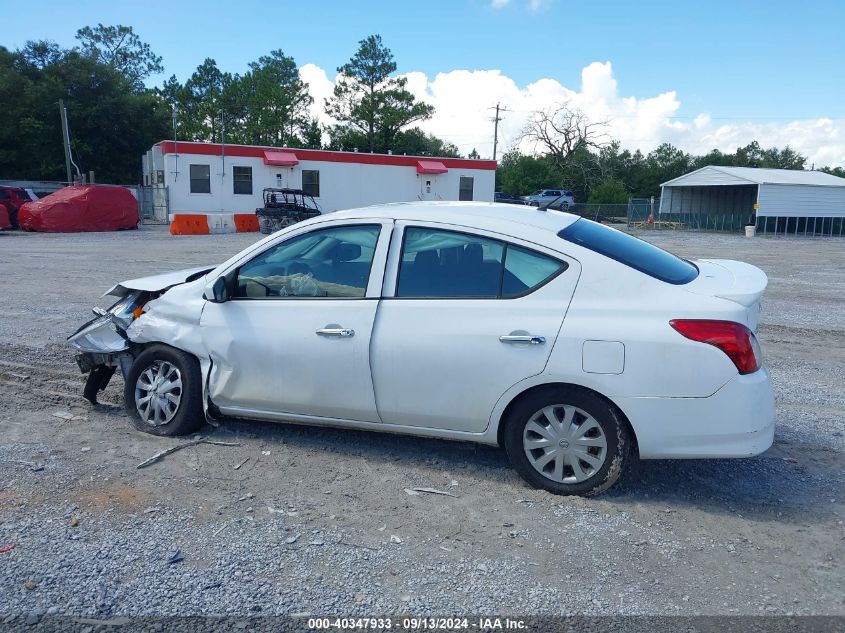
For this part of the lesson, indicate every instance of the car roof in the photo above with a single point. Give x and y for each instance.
(509, 219)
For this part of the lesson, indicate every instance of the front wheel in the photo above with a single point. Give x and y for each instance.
(567, 441)
(163, 392)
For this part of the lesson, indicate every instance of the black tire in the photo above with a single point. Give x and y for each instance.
(614, 429)
(188, 416)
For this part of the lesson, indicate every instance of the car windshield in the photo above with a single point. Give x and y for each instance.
(631, 251)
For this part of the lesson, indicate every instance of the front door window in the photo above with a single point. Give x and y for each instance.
(333, 263)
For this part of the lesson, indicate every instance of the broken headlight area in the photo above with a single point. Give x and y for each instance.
(106, 333)
(103, 343)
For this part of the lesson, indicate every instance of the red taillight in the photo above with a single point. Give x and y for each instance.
(736, 340)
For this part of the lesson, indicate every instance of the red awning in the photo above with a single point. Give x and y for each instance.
(280, 159)
(431, 167)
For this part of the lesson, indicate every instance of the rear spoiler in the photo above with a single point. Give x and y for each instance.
(732, 280)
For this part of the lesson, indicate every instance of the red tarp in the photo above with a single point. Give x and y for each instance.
(4, 217)
(81, 208)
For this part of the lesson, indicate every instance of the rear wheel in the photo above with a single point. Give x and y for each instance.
(163, 392)
(567, 441)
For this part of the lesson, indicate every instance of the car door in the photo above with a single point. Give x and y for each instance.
(295, 336)
(466, 315)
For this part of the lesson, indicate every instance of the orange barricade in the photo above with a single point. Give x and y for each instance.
(246, 222)
(189, 224)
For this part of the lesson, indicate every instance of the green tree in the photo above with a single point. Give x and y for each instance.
(369, 102)
(121, 48)
(200, 106)
(415, 142)
(662, 164)
(275, 101)
(609, 191)
(99, 100)
(522, 175)
(834, 171)
(312, 135)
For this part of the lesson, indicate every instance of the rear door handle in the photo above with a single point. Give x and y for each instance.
(522, 339)
(336, 332)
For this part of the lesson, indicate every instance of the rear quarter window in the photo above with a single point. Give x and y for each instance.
(631, 251)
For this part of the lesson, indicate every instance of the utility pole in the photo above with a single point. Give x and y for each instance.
(495, 132)
(65, 140)
(496, 120)
(175, 147)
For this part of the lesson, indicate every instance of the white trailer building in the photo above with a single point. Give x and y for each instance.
(776, 200)
(187, 177)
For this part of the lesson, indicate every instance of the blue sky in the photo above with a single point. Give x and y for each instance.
(752, 61)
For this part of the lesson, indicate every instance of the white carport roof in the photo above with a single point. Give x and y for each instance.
(717, 175)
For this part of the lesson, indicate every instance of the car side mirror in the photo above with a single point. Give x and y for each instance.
(218, 293)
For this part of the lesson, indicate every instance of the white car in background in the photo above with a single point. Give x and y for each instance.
(569, 343)
(554, 198)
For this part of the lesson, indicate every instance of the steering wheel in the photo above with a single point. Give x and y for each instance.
(299, 268)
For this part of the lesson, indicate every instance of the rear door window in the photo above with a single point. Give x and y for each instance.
(441, 264)
(449, 264)
(527, 270)
(631, 251)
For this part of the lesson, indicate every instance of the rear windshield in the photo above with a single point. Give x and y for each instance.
(630, 251)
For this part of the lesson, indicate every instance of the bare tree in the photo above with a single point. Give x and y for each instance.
(562, 131)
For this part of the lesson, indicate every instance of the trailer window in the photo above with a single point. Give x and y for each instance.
(242, 180)
(311, 182)
(631, 251)
(200, 179)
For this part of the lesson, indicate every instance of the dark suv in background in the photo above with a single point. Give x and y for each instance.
(12, 198)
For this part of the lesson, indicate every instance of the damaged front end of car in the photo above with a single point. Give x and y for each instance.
(102, 343)
(105, 343)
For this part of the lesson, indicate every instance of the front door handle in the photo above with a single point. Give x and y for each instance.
(337, 332)
(523, 339)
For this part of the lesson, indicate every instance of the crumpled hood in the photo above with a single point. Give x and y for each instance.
(157, 283)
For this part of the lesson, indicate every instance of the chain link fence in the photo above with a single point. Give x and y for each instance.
(644, 213)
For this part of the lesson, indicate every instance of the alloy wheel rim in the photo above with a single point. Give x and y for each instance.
(564, 443)
(158, 393)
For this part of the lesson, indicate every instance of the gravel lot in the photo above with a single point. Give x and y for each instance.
(317, 521)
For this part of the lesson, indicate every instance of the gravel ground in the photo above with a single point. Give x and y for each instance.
(300, 520)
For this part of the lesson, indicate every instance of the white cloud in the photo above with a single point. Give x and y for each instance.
(320, 87)
(533, 5)
(539, 5)
(464, 102)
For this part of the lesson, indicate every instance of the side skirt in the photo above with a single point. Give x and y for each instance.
(313, 420)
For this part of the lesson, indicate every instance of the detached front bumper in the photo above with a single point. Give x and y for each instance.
(736, 421)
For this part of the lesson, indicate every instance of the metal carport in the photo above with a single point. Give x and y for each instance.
(775, 200)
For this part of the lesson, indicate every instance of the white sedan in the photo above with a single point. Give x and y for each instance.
(569, 343)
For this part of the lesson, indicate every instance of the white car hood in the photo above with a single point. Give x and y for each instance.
(156, 283)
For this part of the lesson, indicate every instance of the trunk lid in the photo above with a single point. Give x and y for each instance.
(735, 281)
